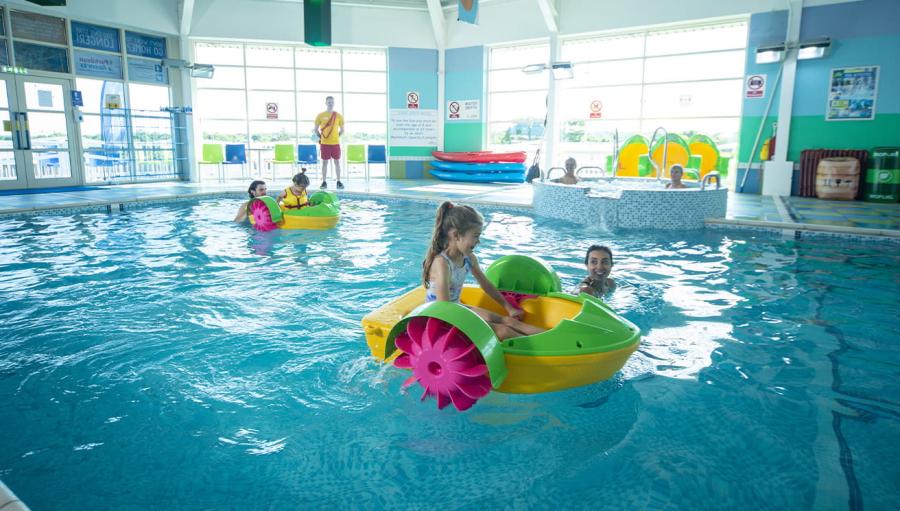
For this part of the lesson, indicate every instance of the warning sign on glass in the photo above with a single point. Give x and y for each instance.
(271, 110)
(596, 109)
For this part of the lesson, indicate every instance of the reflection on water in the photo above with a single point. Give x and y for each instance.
(171, 351)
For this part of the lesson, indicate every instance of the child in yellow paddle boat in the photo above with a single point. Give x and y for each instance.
(294, 196)
(457, 231)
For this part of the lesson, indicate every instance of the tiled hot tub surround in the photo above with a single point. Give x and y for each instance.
(632, 207)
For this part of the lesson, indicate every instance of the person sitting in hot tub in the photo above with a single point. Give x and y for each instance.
(676, 172)
(569, 177)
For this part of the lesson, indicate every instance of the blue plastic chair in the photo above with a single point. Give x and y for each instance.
(377, 154)
(236, 154)
(308, 154)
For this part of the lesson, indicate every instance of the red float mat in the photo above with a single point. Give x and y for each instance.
(481, 157)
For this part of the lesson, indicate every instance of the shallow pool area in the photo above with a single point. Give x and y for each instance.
(167, 357)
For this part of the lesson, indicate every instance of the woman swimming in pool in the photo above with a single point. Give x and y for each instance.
(457, 230)
(257, 189)
(599, 262)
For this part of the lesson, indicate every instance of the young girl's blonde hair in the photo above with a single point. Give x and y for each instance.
(463, 219)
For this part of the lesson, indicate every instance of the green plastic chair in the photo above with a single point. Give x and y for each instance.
(356, 155)
(213, 154)
(284, 155)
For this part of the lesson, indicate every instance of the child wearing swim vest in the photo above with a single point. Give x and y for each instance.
(294, 196)
(457, 230)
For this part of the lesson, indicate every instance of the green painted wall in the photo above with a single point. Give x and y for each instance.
(460, 136)
(814, 132)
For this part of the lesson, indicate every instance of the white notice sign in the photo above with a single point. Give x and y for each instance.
(464, 110)
(413, 127)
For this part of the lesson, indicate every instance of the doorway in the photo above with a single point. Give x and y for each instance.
(38, 133)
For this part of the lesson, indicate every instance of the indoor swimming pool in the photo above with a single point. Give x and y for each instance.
(168, 357)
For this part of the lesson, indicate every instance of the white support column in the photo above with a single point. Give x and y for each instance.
(550, 129)
(778, 173)
(551, 19)
(436, 13)
(187, 90)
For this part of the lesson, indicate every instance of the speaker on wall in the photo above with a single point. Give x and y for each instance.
(48, 3)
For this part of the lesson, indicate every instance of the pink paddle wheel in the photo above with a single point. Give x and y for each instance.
(444, 361)
(262, 218)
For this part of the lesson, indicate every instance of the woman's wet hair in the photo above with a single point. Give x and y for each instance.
(253, 186)
(301, 179)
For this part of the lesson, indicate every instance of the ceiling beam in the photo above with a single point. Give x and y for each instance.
(437, 23)
(186, 17)
(551, 16)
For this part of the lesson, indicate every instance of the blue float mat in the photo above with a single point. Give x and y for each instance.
(496, 177)
(51, 190)
(450, 166)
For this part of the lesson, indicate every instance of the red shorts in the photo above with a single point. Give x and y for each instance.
(330, 151)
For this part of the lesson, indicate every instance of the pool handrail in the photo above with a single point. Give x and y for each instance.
(665, 158)
(709, 177)
(615, 158)
(551, 169)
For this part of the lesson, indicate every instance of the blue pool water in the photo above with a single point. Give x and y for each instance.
(168, 358)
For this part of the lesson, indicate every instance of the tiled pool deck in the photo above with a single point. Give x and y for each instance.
(789, 214)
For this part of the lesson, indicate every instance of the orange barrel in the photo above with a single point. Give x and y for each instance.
(837, 178)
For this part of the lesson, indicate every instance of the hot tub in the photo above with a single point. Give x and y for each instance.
(630, 203)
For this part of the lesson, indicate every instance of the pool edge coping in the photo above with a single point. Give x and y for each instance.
(9, 501)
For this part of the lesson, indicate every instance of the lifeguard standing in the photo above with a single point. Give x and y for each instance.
(329, 128)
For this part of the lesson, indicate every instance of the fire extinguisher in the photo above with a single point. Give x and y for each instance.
(768, 149)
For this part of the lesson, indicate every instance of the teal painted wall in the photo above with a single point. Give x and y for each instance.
(411, 69)
(465, 79)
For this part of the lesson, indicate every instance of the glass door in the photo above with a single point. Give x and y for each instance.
(11, 174)
(40, 130)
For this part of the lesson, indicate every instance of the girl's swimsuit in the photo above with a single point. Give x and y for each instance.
(293, 201)
(457, 279)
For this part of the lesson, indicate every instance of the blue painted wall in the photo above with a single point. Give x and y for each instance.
(465, 78)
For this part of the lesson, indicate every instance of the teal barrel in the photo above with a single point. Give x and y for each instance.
(883, 176)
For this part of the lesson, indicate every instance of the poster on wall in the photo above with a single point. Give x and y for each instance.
(99, 65)
(468, 11)
(147, 71)
(95, 37)
(413, 127)
(851, 93)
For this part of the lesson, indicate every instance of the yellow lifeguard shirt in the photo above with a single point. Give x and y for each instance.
(330, 132)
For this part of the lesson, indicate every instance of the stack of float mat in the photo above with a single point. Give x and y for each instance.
(479, 167)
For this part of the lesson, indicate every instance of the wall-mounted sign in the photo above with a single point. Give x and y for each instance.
(142, 45)
(464, 110)
(95, 37)
(271, 110)
(412, 99)
(147, 71)
(98, 65)
(38, 27)
(413, 127)
(77, 98)
(851, 94)
(755, 86)
(596, 109)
